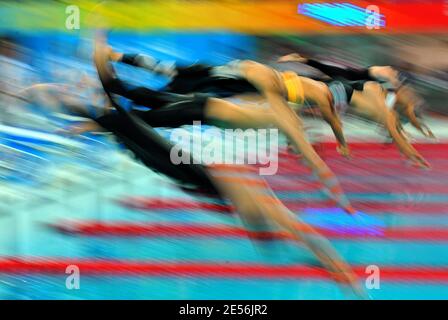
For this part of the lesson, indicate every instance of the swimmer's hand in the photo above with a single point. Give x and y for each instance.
(427, 132)
(340, 199)
(420, 162)
(344, 151)
(79, 128)
(343, 274)
(113, 55)
(70, 131)
(293, 57)
(291, 149)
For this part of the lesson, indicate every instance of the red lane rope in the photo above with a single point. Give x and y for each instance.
(143, 203)
(367, 165)
(399, 187)
(374, 146)
(370, 187)
(205, 269)
(155, 204)
(126, 229)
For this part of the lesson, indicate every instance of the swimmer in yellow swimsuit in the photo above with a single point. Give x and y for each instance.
(238, 77)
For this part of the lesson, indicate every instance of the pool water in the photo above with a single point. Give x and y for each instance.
(405, 207)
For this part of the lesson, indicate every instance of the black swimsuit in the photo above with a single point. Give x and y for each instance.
(144, 142)
(198, 78)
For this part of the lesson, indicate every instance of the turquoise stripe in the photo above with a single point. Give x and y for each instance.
(382, 252)
(139, 287)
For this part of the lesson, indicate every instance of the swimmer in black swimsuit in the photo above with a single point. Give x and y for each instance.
(400, 95)
(251, 196)
(221, 81)
(361, 90)
(224, 81)
(174, 110)
(147, 145)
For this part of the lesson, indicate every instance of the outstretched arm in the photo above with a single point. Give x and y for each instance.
(287, 121)
(384, 74)
(331, 117)
(316, 92)
(331, 70)
(83, 127)
(407, 100)
(370, 103)
(144, 61)
(402, 143)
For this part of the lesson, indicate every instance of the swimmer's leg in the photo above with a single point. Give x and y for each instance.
(258, 207)
(230, 115)
(147, 145)
(156, 152)
(140, 95)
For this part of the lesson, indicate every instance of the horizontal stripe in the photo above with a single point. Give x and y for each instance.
(405, 199)
(155, 204)
(233, 270)
(416, 189)
(374, 146)
(95, 228)
(264, 16)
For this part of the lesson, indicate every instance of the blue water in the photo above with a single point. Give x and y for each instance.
(25, 232)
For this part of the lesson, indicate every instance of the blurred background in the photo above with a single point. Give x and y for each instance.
(49, 179)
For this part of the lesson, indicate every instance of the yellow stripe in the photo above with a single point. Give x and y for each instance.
(294, 87)
(252, 17)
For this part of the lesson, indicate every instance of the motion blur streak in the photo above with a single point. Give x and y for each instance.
(88, 181)
(264, 16)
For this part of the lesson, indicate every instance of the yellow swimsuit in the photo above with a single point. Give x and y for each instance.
(294, 87)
